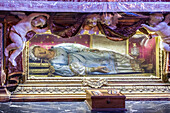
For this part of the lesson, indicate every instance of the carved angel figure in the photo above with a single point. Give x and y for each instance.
(33, 22)
(111, 20)
(161, 28)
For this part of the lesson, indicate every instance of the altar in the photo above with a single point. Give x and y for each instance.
(55, 50)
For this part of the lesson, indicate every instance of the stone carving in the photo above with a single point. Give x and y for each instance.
(94, 82)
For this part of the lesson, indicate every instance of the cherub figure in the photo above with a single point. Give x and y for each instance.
(111, 20)
(90, 24)
(33, 22)
(161, 28)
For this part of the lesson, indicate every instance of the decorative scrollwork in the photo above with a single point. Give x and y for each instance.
(48, 90)
(95, 82)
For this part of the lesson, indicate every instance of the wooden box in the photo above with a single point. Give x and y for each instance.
(105, 100)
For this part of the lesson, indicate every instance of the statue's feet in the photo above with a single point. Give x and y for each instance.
(13, 62)
(6, 52)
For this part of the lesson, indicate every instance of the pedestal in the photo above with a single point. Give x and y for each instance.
(4, 94)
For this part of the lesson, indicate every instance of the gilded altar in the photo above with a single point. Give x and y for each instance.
(87, 48)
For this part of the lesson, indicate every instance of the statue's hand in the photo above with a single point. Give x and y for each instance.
(103, 69)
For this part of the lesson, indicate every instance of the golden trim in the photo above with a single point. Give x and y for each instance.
(38, 70)
(167, 63)
(15, 73)
(47, 32)
(127, 46)
(157, 56)
(164, 69)
(26, 62)
(38, 65)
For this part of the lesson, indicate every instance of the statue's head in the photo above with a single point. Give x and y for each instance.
(110, 19)
(37, 53)
(156, 18)
(167, 19)
(39, 21)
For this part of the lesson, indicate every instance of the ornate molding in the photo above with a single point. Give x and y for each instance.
(81, 79)
(143, 89)
(81, 90)
(164, 62)
(49, 90)
(25, 62)
(55, 6)
(94, 82)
